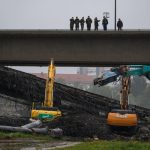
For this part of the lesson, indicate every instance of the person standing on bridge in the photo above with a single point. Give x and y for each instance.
(96, 21)
(77, 21)
(105, 23)
(72, 23)
(88, 23)
(82, 23)
(119, 24)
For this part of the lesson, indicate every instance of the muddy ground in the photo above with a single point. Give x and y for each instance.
(30, 144)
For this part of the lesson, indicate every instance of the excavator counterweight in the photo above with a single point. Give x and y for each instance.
(124, 118)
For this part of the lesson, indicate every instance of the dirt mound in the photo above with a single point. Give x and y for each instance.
(82, 125)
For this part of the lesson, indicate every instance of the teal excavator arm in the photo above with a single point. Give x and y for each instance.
(140, 70)
(125, 71)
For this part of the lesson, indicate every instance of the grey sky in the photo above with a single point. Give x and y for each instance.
(55, 14)
(59, 70)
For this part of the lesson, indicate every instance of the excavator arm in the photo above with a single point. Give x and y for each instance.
(125, 71)
(50, 85)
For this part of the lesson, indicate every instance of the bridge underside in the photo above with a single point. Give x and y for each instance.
(37, 47)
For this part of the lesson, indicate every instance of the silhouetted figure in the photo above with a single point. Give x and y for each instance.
(119, 24)
(77, 21)
(104, 23)
(96, 23)
(72, 23)
(82, 23)
(88, 23)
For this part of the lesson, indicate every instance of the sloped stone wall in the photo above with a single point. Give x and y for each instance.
(14, 111)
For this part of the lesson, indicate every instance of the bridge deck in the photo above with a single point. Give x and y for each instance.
(74, 48)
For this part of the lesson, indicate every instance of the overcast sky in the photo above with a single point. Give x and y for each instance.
(55, 14)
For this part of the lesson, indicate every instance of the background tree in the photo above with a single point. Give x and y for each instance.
(138, 85)
(60, 80)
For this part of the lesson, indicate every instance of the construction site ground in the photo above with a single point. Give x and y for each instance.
(69, 144)
(84, 113)
(32, 144)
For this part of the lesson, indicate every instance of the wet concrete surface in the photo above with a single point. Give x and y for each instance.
(29, 144)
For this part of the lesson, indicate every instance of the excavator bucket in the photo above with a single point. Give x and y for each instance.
(122, 118)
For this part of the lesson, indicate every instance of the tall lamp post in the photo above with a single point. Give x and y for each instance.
(115, 14)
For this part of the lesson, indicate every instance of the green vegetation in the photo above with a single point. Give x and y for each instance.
(110, 145)
(18, 135)
(95, 145)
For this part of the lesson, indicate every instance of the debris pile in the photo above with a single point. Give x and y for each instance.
(36, 126)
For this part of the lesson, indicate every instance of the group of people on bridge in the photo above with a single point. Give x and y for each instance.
(80, 22)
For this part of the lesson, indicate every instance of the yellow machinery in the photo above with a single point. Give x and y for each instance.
(123, 117)
(47, 111)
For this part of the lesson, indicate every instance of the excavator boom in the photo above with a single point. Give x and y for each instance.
(50, 85)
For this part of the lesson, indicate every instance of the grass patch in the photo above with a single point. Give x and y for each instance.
(19, 135)
(110, 145)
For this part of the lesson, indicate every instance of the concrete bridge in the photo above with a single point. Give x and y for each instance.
(74, 48)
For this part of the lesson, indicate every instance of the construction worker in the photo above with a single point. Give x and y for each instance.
(96, 21)
(72, 23)
(82, 23)
(88, 23)
(77, 21)
(119, 24)
(104, 23)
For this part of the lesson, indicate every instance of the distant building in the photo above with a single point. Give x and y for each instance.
(74, 80)
(90, 71)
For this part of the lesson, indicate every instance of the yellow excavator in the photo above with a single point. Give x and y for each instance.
(123, 117)
(47, 111)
